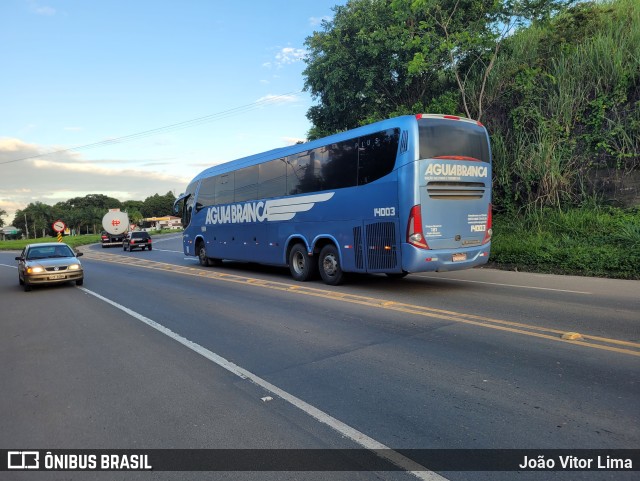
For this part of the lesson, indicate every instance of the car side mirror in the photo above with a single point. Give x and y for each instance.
(78, 254)
(19, 258)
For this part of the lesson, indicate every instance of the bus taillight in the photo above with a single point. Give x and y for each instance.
(415, 236)
(488, 231)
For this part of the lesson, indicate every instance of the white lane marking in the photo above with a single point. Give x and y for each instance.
(502, 285)
(7, 265)
(166, 250)
(362, 439)
(164, 239)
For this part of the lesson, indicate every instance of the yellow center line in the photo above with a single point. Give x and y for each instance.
(594, 342)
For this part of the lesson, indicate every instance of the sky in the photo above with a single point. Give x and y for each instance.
(132, 98)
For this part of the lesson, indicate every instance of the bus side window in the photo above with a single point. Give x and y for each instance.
(273, 179)
(340, 167)
(224, 189)
(246, 184)
(207, 192)
(377, 155)
(302, 175)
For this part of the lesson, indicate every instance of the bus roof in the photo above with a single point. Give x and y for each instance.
(396, 122)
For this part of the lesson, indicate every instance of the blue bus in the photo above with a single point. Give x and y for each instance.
(407, 194)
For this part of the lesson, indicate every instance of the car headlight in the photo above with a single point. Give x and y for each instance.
(35, 270)
(74, 267)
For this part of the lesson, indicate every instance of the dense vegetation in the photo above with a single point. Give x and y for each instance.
(565, 116)
(556, 83)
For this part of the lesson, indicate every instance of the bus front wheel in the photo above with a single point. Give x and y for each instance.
(202, 255)
(329, 264)
(204, 259)
(300, 264)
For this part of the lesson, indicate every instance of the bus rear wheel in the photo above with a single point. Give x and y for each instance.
(300, 264)
(329, 265)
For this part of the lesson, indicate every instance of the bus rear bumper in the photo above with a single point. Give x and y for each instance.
(443, 260)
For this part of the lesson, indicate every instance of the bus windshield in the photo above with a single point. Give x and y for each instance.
(442, 139)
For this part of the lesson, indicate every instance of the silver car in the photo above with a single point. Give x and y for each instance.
(49, 263)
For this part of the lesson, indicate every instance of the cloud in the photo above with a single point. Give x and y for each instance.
(65, 175)
(277, 99)
(317, 21)
(41, 9)
(289, 55)
(286, 56)
(293, 140)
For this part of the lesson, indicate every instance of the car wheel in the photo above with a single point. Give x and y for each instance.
(20, 281)
(149, 247)
(124, 247)
(79, 282)
(27, 287)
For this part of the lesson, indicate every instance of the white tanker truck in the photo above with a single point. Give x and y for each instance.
(116, 225)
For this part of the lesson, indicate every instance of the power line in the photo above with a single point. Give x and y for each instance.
(167, 128)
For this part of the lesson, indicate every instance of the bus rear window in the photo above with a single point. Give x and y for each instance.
(452, 139)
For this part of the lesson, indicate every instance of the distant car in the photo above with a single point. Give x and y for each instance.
(49, 263)
(137, 239)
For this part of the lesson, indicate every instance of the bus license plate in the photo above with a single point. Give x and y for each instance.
(56, 276)
(459, 257)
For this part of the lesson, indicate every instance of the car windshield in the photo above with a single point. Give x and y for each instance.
(49, 252)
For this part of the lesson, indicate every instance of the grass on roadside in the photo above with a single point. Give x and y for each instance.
(72, 241)
(603, 242)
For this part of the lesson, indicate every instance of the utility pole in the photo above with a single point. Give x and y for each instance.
(26, 225)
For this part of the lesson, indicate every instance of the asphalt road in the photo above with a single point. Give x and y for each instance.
(467, 360)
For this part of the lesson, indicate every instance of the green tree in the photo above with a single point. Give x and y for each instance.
(357, 66)
(158, 205)
(36, 219)
(131, 205)
(381, 58)
(565, 123)
(135, 216)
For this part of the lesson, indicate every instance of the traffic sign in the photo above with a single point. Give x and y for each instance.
(59, 226)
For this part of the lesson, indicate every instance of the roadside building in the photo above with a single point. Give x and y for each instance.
(159, 223)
